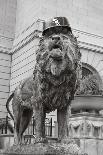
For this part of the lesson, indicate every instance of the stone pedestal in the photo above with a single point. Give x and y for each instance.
(45, 149)
(88, 128)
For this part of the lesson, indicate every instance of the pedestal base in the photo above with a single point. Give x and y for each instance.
(44, 149)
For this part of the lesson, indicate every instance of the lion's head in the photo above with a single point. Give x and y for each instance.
(58, 53)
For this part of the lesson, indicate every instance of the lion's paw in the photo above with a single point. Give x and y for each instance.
(40, 140)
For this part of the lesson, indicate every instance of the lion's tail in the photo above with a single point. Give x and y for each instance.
(7, 105)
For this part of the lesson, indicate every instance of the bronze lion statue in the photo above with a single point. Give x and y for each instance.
(52, 85)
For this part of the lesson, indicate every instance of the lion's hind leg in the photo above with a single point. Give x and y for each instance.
(16, 131)
(16, 111)
(26, 115)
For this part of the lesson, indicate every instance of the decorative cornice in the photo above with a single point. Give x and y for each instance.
(36, 25)
(87, 33)
(28, 35)
(5, 50)
(91, 47)
(5, 44)
(87, 41)
(26, 40)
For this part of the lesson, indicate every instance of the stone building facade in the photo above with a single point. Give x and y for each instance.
(7, 30)
(21, 24)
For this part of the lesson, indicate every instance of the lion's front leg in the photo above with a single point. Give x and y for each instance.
(62, 118)
(39, 115)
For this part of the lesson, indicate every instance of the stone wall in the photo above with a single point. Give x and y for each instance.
(7, 32)
(5, 66)
(23, 63)
(6, 141)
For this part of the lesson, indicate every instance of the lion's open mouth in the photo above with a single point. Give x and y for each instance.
(56, 52)
(56, 46)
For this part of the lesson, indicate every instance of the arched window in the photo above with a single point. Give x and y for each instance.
(89, 70)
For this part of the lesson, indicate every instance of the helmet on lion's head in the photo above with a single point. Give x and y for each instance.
(57, 25)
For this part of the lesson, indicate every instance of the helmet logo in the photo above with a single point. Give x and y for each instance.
(56, 21)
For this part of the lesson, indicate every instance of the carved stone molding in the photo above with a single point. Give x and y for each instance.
(85, 128)
(35, 34)
(5, 50)
(89, 41)
(29, 34)
(91, 47)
